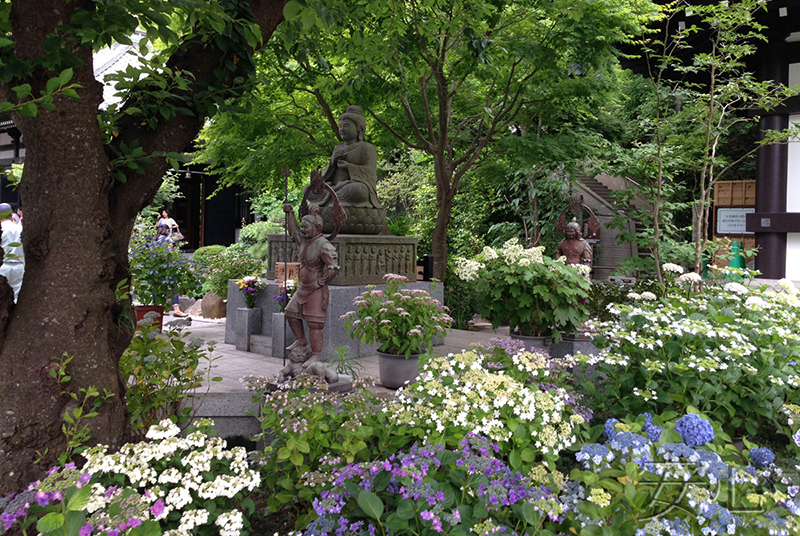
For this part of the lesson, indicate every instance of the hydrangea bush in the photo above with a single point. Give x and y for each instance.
(658, 475)
(307, 427)
(402, 321)
(431, 490)
(729, 350)
(459, 393)
(527, 290)
(171, 485)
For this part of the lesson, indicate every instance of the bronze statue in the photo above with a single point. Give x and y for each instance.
(574, 247)
(353, 168)
(319, 264)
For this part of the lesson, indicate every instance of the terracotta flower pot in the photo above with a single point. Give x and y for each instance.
(140, 310)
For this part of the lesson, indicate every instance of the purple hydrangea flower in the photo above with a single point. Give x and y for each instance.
(694, 430)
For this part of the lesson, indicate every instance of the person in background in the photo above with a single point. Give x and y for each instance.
(13, 267)
(165, 219)
(16, 213)
(162, 237)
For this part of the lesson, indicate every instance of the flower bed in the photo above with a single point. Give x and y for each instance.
(729, 350)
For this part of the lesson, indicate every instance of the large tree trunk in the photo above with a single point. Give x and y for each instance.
(78, 222)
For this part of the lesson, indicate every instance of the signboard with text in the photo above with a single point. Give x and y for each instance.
(732, 220)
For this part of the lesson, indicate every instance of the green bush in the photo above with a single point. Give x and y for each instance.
(233, 263)
(314, 429)
(728, 350)
(202, 254)
(255, 236)
(162, 371)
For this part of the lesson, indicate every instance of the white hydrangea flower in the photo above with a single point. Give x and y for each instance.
(786, 286)
(735, 288)
(671, 267)
(690, 277)
(648, 296)
(467, 270)
(163, 430)
(489, 253)
(633, 296)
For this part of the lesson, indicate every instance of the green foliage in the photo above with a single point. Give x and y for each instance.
(348, 363)
(728, 350)
(14, 174)
(255, 235)
(202, 254)
(165, 372)
(315, 430)
(75, 428)
(528, 291)
(62, 507)
(158, 272)
(402, 321)
(233, 263)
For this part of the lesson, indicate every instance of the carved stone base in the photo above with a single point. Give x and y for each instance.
(360, 220)
(364, 259)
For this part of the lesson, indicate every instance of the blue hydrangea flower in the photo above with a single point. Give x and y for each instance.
(653, 433)
(694, 430)
(762, 457)
(609, 430)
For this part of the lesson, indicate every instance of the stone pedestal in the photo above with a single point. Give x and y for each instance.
(572, 345)
(364, 259)
(282, 335)
(248, 323)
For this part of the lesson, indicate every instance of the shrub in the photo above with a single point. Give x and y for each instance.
(233, 263)
(674, 482)
(158, 271)
(527, 290)
(728, 350)
(255, 236)
(431, 490)
(463, 393)
(312, 428)
(202, 254)
(170, 485)
(163, 372)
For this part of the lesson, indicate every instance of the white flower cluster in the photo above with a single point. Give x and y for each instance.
(671, 267)
(785, 285)
(735, 288)
(175, 469)
(691, 277)
(458, 391)
(513, 253)
(467, 270)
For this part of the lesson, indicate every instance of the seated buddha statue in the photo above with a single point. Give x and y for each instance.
(352, 171)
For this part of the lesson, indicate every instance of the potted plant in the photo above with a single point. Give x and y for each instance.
(403, 322)
(535, 295)
(158, 272)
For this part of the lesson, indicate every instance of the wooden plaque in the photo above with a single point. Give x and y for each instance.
(292, 267)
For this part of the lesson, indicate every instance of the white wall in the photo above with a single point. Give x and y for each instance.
(793, 187)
